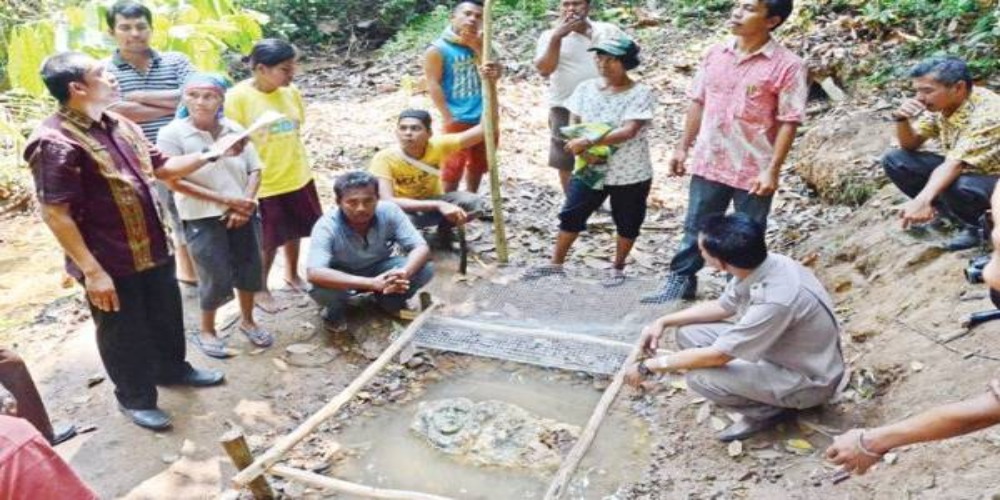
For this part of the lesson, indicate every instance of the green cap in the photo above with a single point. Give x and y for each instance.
(618, 46)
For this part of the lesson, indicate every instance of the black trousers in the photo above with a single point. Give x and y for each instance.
(143, 344)
(964, 201)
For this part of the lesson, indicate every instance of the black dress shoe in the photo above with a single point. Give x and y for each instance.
(62, 434)
(153, 419)
(202, 378)
(747, 427)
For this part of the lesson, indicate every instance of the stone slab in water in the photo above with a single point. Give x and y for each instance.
(494, 433)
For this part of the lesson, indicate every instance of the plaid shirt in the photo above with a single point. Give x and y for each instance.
(102, 170)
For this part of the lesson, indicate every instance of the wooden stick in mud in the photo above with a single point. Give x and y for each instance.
(490, 130)
(330, 483)
(557, 488)
(236, 447)
(267, 459)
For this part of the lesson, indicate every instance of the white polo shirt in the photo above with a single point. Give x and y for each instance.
(227, 175)
(576, 65)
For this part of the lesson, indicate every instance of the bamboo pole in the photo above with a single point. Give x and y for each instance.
(278, 450)
(330, 483)
(236, 447)
(490, 129)
(557, 488)
(532, 332)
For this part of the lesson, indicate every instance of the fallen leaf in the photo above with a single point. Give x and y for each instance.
(703, 413)
(799, 445)
(679, 384)
(718, 424)
(916, 366)
(301, 348)
(280, 363)
(890, 458)
(735, 448)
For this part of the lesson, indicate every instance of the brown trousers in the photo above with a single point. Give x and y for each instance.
(14, 376)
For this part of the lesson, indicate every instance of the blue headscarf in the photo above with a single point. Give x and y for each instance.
(210, 81)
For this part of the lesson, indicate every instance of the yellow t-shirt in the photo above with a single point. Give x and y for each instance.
(281, 150)
(409, 181)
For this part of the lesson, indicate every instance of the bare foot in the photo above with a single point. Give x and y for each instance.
(298, 284)
(265, 301)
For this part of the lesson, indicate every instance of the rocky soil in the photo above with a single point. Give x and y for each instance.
(902, 302)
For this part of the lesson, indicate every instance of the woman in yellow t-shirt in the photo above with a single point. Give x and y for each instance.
(289, 204)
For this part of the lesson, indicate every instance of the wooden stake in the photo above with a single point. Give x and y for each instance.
(236, 447)
(557, 488)
(278, 450)
(320, 481)
(490, 129)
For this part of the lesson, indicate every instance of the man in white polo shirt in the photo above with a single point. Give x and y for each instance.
(562, 57)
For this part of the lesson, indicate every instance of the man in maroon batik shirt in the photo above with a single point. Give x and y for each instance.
(92, 171)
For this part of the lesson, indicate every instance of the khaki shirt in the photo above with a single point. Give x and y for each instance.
(785, 320)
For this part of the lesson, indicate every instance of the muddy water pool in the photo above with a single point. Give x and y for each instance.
(389, 455)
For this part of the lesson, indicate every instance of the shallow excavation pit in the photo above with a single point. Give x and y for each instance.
(570, 327)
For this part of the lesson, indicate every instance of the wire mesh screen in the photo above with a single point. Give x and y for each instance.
(572, 322)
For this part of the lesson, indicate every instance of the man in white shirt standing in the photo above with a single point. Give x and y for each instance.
(562, 57)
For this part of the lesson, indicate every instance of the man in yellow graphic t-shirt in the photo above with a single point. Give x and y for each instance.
(409, 174)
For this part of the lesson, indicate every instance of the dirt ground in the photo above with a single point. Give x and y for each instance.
(897, 297)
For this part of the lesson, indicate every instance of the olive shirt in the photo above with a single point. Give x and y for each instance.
(971, 134)
(786, 320)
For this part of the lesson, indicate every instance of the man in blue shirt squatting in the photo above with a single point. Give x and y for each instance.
(351, 251)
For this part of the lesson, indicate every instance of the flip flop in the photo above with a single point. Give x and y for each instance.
(215, 349)
(296, 287)
(257, 336)
(615, 277)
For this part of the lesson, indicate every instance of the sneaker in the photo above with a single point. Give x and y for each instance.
(964, 238)
(677, 287)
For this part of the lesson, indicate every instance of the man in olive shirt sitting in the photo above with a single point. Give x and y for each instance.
(781, 354)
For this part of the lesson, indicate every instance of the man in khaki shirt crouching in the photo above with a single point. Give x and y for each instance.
(782, 353)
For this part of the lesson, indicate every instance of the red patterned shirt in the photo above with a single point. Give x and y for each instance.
(746, 98)
(102, 170)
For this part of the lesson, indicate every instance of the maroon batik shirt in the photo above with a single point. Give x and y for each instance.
(102, 170)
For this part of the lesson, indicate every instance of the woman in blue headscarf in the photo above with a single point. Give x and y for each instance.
(218, 207)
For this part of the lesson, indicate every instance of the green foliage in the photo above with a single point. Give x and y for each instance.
(339, 22)
(518, 16)
(966, 28)
(205, 30)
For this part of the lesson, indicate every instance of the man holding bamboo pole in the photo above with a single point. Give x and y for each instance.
(451, 69)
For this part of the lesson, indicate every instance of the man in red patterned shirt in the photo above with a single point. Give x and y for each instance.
(93, 170)
(747, 100)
